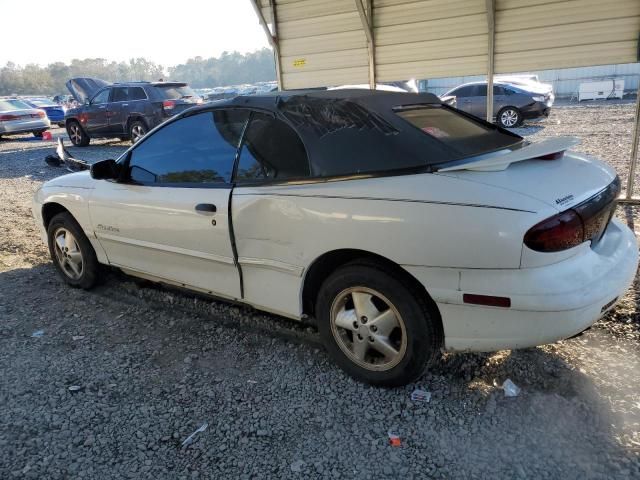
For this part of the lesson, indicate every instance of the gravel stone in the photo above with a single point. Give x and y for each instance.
(577, 416)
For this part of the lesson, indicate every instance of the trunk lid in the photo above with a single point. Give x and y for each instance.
(83, 88)
(561, 183)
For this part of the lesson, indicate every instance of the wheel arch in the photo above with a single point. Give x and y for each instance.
(329, 262)
(50, 210)
(70, 120)
(134, 118)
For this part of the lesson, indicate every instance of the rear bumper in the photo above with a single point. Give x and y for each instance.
(22, 126)
(548, 303)
(536, 110)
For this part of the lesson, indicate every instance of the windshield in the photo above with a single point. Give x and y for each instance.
(42, 103)
(457, 132)
(173, 92)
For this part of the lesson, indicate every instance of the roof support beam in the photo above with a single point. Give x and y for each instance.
(366, 17)
(491, 40)
(634, 150)
(271, 37)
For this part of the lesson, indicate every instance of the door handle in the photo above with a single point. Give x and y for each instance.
(206, 208)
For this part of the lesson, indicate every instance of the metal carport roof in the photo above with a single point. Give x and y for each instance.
(332, 42)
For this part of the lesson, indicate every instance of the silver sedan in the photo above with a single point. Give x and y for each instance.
(18, 117)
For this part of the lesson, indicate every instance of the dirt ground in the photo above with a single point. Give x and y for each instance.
(152, 365)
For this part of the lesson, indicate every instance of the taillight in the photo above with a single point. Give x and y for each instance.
(9, 117)
(560, 232)
(42, 114)
(586, 221)
(169, 104)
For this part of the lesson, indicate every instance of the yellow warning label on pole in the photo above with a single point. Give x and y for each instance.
(299, 62)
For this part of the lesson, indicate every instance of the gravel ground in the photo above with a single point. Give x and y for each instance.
(152, 365)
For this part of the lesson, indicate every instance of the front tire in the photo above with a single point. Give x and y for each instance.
(38, 133)
(375, 326)
(137, 130)
(71, 252)
(77, 134)
(509, 117)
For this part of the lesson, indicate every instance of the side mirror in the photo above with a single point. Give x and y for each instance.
(105, 170)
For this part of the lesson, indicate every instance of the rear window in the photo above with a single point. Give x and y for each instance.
(19, 104)
(173, 92)
(4, 105)
(457, 132)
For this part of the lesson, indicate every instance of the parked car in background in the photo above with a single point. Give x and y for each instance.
(18, 117)
(123, 110)
(529, 82)
(55, 112)
(511, 104)
(402, 225)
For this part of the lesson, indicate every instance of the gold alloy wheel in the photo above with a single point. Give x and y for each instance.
(368, 328)
(68, 253)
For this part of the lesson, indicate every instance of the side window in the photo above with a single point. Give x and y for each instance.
(509, 91)
(119, 94)
(101, 97)
(198, 149)
(480, 90)
(498, 90)
(271, 150)
(136, 93)
(463, 92)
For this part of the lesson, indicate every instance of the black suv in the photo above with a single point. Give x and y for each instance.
(123, 110)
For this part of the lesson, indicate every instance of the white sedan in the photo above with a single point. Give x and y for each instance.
(403, 226)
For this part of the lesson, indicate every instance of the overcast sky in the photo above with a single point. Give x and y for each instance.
(166, 32)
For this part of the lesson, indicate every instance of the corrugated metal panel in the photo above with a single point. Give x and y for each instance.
(422, 38)
(542, 34)
(598, 54)
(322, 42)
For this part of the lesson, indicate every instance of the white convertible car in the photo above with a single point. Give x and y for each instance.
(403, 226)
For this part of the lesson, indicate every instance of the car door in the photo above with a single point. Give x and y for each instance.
(463, 98)
(499, 98)
(97, 120)
(168, 216)
(118, 110)
(272, 157)
(478, 101)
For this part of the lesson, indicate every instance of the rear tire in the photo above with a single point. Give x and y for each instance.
(38, 133)
(137, 130)
(375, 326)
(77, 134)
(71, 252)
(509, 117)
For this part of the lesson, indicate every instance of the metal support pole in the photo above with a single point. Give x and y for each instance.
(272, 38)
(276, 50)
(634, 149)
(491, 35)
(366, 17)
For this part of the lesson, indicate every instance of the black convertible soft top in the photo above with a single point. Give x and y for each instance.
(351, 131)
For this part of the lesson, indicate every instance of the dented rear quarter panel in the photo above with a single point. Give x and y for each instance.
(420, 221)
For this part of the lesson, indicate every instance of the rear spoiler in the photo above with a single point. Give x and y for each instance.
(63, 158)
(501, 160)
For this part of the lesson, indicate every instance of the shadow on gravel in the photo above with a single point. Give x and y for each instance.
(153, 362)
